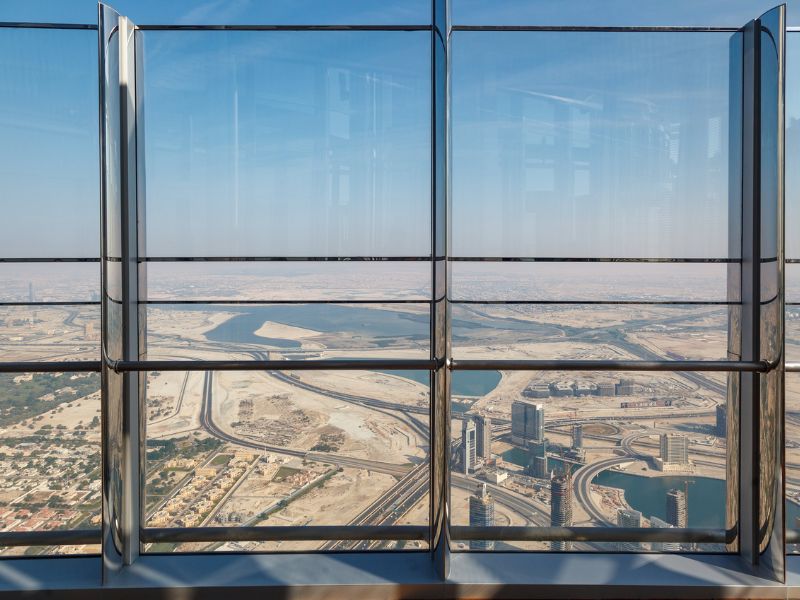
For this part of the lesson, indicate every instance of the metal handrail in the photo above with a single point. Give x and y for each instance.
(72, 366)
(295, 533)
(398, 364)
(594, 534)
(71, 537)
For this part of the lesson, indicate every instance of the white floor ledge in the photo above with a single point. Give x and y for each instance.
(387, 575)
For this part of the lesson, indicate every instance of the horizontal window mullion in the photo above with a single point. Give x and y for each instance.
(332, 364)
(34, 25)
(611, 365)
(607, 259)
(263, 27)
(154, 259)
(318, 301)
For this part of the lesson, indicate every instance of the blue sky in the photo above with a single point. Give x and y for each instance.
(568, 148)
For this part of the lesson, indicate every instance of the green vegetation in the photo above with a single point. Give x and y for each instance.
(284, 472)
(221, 459)
(23, 400)
(184, 447)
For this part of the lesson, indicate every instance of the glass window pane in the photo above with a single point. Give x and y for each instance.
(792, 170)
(51, 333)
(48, 143)
(50, 456)
(589, 282)
(281, 281)
(591, 332)
(792, 391)
(243, 12)
(50, 282)
(572, 150)
(592, 449)
(287, 331)
(624, 13)
(293, 448)
(287, 143)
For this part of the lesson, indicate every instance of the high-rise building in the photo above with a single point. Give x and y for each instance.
(31, 295)
(629, 518)
(657, 523)
(527, 422)
(674, 448)
(537, 459)
(483, 427)
(537, 390)
(468, 443)
(606, 389)
(561, 506)
(481, 514)
(577, 436)
(674, 452)
(677, 508)
(625, 387)
(722, 420)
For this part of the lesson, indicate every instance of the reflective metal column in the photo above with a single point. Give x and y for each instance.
(761, 412)
(440, 307)
(120, 323)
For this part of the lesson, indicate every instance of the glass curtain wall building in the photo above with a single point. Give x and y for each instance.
(408, 300)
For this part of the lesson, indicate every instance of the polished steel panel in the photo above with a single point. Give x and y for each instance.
(119, 283)
(440, 306)
(771, 31)
(734, 284)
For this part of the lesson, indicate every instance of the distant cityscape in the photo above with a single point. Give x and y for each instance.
(292, 448)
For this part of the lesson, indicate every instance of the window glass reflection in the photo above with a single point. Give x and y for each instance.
(573, 149)
(288, 143)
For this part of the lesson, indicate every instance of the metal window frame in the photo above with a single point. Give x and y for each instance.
(117, 566)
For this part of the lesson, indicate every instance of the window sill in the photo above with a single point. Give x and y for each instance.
(388, 575)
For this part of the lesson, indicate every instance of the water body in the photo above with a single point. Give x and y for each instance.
(648, 495)
(382, 326)
(464, 383)
(705, 502)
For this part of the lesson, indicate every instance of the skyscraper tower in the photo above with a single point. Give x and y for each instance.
(537, 459)
(677, 509)
(722, 420)
(31, 296)
(527, 422)
(657, 523)
(577, 436)
(674, 448)
(629, 518)
(468, 443)
(561, 506)
(481, 514)
(484, 436)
